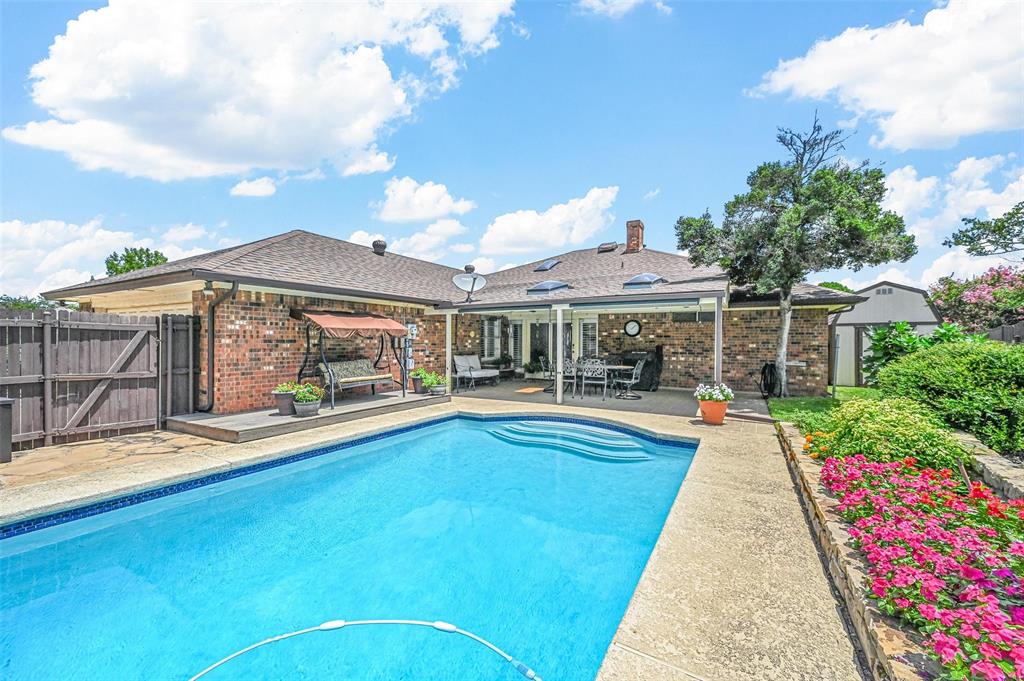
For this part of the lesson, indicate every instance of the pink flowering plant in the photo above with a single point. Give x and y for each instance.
(943, 558)
(993, 298)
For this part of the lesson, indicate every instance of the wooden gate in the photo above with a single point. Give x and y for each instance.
(76, 375)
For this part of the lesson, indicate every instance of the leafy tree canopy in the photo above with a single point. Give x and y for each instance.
(133, 259)
(836, 286)
(994, 298)
(812, 211)
(26, 303)
(1000, 236)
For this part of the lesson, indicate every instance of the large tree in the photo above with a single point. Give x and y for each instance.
(812, 211)
(133, 259)
(1000, 236)
(26, 303)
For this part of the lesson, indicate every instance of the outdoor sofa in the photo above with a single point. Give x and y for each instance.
(468, 368)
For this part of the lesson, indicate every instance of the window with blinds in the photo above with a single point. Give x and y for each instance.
(490, 338)
(516, 338)
(588, 338)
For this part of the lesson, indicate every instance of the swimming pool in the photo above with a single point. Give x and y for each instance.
(530, 533)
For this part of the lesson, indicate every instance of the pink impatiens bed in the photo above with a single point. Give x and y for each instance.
(949, 563)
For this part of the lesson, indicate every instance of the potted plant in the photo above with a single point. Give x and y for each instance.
(307, 399)
(417, 380)
(505, 361)
(435, 383)
(714, 401)
(283, 397)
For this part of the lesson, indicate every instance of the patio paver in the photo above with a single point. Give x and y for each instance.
(734, 589)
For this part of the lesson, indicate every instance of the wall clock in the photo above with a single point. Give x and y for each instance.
(632, 328)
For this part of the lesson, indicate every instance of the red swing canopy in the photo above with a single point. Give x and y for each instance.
(348, 324)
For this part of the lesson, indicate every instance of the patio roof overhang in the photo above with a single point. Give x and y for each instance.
(639, 302)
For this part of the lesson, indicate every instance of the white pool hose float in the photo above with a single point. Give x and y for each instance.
(331, 625)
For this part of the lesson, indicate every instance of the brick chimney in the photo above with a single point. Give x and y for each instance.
(634, 236)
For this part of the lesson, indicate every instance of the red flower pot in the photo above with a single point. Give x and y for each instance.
(713, 412)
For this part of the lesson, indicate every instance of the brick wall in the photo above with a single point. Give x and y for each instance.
(258, 344)
(749, 339)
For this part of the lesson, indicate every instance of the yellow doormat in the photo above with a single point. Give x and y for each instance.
(530, 390)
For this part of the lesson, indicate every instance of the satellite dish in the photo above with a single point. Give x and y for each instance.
(469, 282)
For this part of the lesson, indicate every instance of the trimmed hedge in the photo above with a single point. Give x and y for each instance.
(977, 387)
(887, 430)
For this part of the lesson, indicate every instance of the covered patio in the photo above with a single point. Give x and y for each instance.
(666, 401)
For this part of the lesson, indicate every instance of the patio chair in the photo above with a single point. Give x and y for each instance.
(624, 385)
(467, 368)
(594, 372)
(570, 374)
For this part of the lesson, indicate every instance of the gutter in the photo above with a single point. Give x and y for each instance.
(210, 336)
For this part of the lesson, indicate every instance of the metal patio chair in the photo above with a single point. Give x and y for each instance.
(624, 386)
(594, 372)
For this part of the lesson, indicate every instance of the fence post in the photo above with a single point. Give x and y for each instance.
(169, 407)
(47, 378)
(6, 428)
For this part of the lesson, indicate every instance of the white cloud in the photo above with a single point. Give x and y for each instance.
(925, 85)
(364, 238)
(406, 200)
(619, 8)
(462, 248)
(652, 193)
(485, 265)
(908, 195)
(187, 232)
(570, 223)
(48, 254)
(959, 263)
(966, 192)
(431, 243)
(370, 161)
(311, 175)
(263, 186)
(198, 89)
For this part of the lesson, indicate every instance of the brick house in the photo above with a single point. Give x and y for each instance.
(245, 298)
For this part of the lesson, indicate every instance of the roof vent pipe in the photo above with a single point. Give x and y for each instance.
(379, 246)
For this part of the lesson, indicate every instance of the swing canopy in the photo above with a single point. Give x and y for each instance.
(349, 324)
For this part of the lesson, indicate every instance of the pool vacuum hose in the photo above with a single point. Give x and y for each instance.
(332, 625)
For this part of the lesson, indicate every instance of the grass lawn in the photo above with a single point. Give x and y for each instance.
(786, 408)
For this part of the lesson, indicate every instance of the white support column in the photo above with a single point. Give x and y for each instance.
(559, 359)
(718, 340)
(448, 348)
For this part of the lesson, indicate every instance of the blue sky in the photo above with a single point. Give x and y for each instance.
(496, 136)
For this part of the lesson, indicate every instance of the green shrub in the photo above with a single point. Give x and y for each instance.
(977, 387)
(888, 430)
(812, 421)
(898, 339)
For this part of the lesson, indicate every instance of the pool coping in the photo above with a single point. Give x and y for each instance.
(24, 521)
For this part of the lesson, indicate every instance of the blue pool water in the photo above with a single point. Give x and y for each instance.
(530, 534)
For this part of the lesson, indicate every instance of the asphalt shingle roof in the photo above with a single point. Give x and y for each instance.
(311, 262)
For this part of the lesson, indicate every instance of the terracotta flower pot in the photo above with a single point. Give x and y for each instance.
(713, 412)
(284, 402)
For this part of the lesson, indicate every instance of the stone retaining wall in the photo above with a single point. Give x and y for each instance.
(893, 654)
(1005, 477)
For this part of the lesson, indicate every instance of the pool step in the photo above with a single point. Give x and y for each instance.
(582, 434)
(575, 447)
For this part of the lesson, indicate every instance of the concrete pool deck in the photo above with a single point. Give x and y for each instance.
(733, 590)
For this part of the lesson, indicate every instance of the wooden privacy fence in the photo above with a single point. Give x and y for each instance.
(75, 375)
(1008, 333)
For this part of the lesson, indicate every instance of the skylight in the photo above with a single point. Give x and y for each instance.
(546, 265)
(607, 247)
(645, 280)
(545, 287)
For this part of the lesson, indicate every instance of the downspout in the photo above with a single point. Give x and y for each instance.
(210, 311)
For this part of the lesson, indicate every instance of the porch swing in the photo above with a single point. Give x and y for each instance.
(339, 375)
